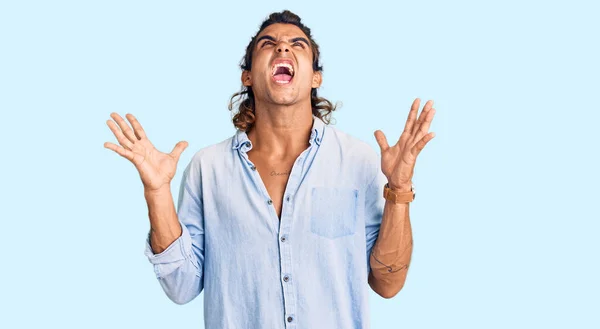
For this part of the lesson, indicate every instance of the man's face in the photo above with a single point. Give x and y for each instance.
(282, 69)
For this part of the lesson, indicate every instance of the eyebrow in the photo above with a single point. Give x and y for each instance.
(300, 39)
(268, 37)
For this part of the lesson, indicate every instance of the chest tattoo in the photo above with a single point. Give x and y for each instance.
(275, 173)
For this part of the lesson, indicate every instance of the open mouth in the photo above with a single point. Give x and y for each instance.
(283, 72)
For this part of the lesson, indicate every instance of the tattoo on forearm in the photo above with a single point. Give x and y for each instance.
(274, 173)
(389, 268)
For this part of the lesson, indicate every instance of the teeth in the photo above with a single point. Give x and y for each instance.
(289, 67)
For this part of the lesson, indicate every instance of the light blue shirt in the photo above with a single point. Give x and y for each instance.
(308, 270)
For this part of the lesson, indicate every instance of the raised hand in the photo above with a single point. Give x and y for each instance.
(398, 161)
(156, 169)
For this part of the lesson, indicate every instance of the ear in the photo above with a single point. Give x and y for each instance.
(246, 78)
(317, 79)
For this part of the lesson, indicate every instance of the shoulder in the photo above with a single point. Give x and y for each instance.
(354, 152)
(211, 155)
(351, 146)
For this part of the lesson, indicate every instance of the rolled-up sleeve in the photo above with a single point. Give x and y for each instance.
(179, 268)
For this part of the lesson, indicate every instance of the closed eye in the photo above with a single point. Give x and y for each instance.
(267, 42)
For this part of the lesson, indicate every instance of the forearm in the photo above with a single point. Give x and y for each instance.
(164, 225)
(392, 251)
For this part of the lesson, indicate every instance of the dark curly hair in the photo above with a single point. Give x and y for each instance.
(244, 118)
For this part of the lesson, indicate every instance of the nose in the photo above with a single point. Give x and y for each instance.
(283, 47)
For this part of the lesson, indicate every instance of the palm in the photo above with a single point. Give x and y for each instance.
(393, 158)
(156, 169)
(398, 161)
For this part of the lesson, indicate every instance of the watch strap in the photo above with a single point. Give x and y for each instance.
(398, 197)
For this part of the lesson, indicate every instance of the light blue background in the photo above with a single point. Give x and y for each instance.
(505, 223)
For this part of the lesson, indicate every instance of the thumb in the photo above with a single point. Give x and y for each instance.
(381, 140)
(178, 149)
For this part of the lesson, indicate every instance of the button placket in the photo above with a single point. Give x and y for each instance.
(285, 249)
(286, 264)
(286, 268)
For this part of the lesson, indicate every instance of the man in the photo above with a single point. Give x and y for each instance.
(283, 225)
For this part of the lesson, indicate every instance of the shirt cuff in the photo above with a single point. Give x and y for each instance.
(175, 252)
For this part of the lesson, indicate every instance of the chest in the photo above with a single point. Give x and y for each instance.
(274, 174)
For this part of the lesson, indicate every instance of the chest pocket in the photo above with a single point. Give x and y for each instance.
(333, 211)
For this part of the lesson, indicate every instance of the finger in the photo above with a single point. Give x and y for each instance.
(126, 143)
(412, 115)
(137, 127)
(381, 140)
(424, 126)
(135, 158)
(421, 143)
(178, 149)
(422, 116)
(127, 154)
(124, 127)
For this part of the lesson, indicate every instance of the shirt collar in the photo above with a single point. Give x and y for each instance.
(240, 140)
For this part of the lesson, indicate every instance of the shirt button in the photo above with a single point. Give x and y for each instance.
(270, 201)
(286, 278)
(290, 319)
(287, 198)
(248, 144)
(283, 239)
(253, 168)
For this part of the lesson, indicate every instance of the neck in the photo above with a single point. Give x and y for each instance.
(281, 131)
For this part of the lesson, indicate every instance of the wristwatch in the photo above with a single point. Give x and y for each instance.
(399, 197)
